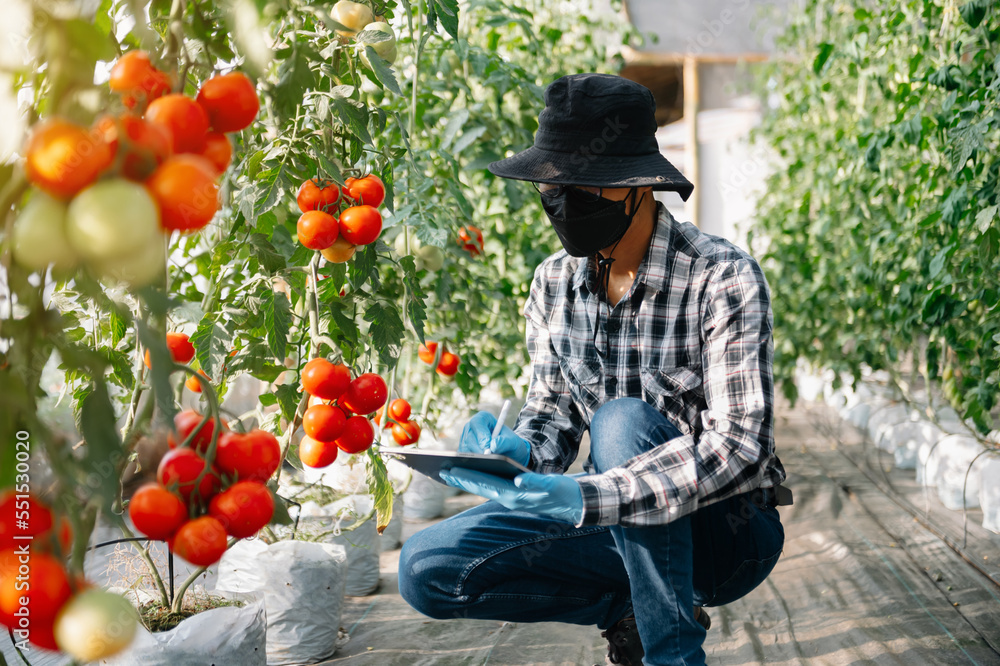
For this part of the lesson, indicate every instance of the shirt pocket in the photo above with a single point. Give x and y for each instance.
(676, 393)
(585, 379)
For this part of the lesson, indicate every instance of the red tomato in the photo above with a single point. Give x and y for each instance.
(141, 146)
(13, 509)
(185, 422)
(179, 469)
(193, 383)
(366, 394)
(325, 380)
(448, 365)
(324, 422)
(369, 190)
(427, 353)
(400, 410)
(360, 225)
(218, 151)
(405, 432)
(243, 509)
(43, 635)
(230, 100)
(314, 453)
(252, 456)
(317, 230)
(62, 158)
(46, 587)
(471, 240)
(137, 80)
(156, 512)
(184, 118)
(181, 349)
(201, 541)
(316, 194)
(358, 435)
(186, 191)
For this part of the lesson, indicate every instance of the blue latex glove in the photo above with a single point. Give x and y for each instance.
(552, 495)
(476, 439)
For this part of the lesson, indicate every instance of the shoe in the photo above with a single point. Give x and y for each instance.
(624, 646)
(703, 618)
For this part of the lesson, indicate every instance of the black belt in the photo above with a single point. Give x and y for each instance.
(774, 496)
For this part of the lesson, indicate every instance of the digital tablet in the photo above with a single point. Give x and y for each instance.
(430, 463)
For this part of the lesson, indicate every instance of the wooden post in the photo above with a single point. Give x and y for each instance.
(691, 104)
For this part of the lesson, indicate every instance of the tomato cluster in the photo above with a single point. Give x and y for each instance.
(107, 192)
(337, 416)
(37, 593)
(334, 221)
(201, 498)
(448, 363)
(404, 431)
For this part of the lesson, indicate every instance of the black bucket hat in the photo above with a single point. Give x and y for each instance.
(596, 130)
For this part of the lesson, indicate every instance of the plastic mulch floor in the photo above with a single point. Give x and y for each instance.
(867, 577)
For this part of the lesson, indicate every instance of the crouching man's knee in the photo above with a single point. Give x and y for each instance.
(624, 428)
(428, 579)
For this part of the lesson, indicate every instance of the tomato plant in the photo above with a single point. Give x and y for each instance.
(243, 509)
(230, 100)
(200, 541)
(317, 195)
(156, 512)
(314, 453)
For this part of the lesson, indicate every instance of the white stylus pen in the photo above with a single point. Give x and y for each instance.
(496, 429)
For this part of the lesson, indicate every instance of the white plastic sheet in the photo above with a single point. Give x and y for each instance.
(946, 468)
(905, 439)
(989, 491)
(219, 637)
(303, 588)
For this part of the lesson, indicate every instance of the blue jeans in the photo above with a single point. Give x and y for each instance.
(493, 563)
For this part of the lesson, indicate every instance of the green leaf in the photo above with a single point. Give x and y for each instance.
(382, 70)
(447, 13)
(121, 368)
(964, 142)
(269, 257)
(467, 138)
(385, 332)
(989, 245)
(267, 399)
(974, 12)
(119, 321)
(985, 218)
(345, 325)
(380, 487)
(288, 396)
(938, 263)
(363, 265)
(211, 343)
(277, 321)
(825, 51)
(455, 122)
(159, 378)
(354, 115)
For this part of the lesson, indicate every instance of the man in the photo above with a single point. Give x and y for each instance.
(655, 337)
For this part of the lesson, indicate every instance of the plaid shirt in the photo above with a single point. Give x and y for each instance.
(692, 337)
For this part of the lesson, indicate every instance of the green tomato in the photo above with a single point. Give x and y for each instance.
(385, 49)
(95, 624)
(136, 270)
(39, 235)
(351, 15)
(113, 219)
(430, 257)
(400, 244)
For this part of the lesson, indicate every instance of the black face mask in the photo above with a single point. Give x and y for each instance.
(586, 222)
